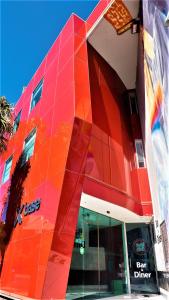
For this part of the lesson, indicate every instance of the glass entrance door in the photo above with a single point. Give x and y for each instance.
(98, 267)
(141, 259)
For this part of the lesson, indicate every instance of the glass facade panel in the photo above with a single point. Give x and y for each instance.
(98, 267)
(16, 122)
(141, 259)
(37, 94)
(29, 146)
(140, 154)
(7, 170)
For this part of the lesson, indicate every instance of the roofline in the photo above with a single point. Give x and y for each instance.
(98, 19)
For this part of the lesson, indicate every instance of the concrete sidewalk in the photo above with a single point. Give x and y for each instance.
(121, 297)
(88, 296)
(136, 297)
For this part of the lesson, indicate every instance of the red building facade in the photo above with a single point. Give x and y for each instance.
(76, 148)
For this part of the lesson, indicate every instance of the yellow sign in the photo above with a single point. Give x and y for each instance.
(119, 16)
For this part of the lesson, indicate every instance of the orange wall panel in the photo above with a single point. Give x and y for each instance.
(85, 143)
(111, 156)
(29, 244)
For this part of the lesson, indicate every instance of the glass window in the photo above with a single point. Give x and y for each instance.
(7, 170)
(29, 145)
(16, 122)
(133, 102)
(36, 94)
(140, 154)
(98, 266)
(141, 259)
(4, 211)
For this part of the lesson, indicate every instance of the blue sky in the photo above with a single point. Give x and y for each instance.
(28, 29)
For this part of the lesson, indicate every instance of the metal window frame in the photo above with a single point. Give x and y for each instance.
(5, 169)
(136, 153)
(35, 91)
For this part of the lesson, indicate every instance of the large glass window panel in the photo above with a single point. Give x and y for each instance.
(16, 122)
(141, 259)
(98, 266)
(7, 170)
(140, 159)
(29, 145)
(37, 94)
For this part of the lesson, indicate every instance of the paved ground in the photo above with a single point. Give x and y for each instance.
(136, 297)
(123, 297)
(75, 296)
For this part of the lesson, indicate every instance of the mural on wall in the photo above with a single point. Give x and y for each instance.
(156, 70)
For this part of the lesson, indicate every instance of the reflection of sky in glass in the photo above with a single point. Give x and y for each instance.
(4, 211)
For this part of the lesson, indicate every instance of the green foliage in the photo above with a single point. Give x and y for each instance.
(6, 123)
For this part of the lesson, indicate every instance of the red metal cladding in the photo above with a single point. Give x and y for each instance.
(110, 161)
(83, 142)
(27, 251)
(99, 9)
(63, 239)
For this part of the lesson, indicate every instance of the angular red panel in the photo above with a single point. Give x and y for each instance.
(84, 142)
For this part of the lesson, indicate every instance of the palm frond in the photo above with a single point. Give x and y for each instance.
(6, 123)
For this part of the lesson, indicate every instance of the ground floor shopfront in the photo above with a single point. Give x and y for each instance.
(110, 256)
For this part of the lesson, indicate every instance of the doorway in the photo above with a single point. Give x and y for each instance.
(143, 277)
(98, 267)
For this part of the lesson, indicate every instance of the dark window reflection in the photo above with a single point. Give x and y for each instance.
(141, 259)
(97, 267)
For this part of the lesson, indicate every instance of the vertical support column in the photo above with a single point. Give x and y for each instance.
(126, 260)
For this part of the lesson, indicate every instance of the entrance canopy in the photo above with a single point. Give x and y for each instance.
(112, 210)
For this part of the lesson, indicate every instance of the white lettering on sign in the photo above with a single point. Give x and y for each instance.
(141, 275)
(141, 265)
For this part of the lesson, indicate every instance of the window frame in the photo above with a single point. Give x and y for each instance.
(18, 115)
(38, 87)
(138, 161)
(4, 179)
(133, 105)
(31, 135)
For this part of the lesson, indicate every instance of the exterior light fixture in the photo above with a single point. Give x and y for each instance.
(135, 27)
